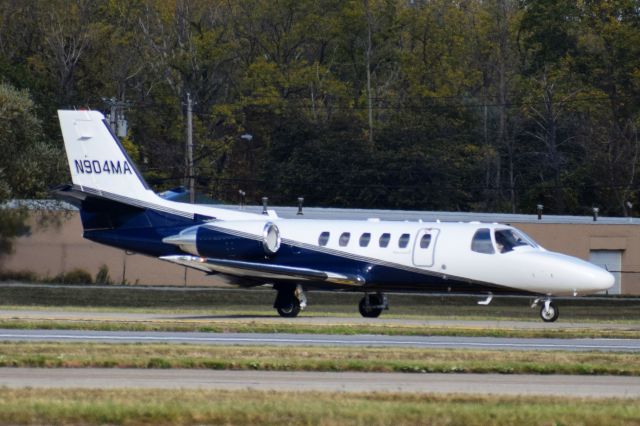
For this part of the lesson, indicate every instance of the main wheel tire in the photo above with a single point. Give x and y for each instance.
(290, 310)
(551, 314)
(369, 312)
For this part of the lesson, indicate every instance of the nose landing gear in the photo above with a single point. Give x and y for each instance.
(549, 311)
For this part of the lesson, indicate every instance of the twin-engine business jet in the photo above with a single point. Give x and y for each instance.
(119, 209)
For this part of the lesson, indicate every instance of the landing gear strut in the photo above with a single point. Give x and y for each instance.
(549, 311)
(371, 305)
(290, 300)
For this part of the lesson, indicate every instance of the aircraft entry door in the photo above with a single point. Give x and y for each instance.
(424, 248)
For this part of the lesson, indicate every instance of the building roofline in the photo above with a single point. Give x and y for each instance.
(382, 214)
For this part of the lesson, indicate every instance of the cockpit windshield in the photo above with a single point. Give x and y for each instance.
(508, 239)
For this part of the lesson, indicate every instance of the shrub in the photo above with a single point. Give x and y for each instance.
(102, 277)
(74, 276)
(21, 276)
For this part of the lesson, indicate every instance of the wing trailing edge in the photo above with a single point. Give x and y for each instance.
(266, 271)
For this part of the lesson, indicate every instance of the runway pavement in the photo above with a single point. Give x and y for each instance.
(279, 339)
(91, 378)
(555, 385)
(54, 314)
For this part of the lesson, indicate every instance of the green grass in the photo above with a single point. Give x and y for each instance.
(301, 358)
(290, 326)
(250, 407)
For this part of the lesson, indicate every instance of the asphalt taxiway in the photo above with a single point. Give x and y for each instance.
(495, 384)
(280, 339)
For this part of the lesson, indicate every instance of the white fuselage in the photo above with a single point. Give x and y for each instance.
(527, 267)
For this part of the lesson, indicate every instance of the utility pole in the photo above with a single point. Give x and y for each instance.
(189, 178)
(117, 122)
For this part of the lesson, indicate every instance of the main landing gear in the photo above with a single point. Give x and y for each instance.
(549, 311)
(290, 300)
(372, 305)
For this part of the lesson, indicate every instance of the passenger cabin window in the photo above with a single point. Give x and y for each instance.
(344, 239)
(364, 239)
(507, 239)
(425, 241)
(384, 239)
(323, 239)
(481, 242)
(403, 242)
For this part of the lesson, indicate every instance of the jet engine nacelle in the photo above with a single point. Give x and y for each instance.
(231, 239)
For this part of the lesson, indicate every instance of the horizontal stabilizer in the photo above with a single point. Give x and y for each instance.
(261, 270)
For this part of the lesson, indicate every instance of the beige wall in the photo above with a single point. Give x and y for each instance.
(53, 250)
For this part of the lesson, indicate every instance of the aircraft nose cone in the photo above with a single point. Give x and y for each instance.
(601, 280)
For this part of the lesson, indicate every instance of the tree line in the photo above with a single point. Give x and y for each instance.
(469, 105)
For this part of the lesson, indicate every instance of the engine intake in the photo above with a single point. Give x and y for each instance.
(271, 238)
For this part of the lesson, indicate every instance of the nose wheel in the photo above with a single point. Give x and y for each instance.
(549, 311)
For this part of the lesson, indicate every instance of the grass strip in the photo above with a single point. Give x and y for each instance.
(331, 311)
(301, 358)
(255, 326)
(180, 407)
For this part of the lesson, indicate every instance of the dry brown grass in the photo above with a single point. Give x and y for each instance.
(178, 407)
(298, 358)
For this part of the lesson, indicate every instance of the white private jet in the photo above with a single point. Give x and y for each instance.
(119, 209)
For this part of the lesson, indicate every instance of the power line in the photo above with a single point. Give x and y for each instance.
(439, 186)
(399, 104)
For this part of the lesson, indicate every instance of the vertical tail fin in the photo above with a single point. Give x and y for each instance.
(97, 161)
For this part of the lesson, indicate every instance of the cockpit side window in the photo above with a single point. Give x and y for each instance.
(481, 242)
(507, 239)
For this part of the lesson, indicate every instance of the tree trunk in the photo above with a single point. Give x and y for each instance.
(368, 65)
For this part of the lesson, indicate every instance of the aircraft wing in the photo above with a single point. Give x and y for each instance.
(262, 270)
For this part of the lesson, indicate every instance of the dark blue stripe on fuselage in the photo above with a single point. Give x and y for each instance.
(132, 228)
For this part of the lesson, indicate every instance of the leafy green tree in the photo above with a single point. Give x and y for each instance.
(609, 67)
(469, 105)
(28, 164)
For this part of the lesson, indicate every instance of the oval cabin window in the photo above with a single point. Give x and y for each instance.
(384, 239)
(323, 239)
(364, 239)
